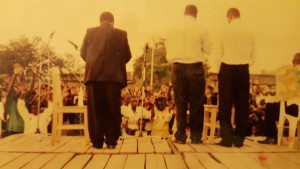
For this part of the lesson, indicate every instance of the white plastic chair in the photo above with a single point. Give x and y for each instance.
(287, 90)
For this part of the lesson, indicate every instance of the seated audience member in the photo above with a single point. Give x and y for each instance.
(32, 119)
(134, 114)
(162, 117)
(210, 97)
(272, 113)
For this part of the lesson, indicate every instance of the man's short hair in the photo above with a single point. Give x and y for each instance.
(107, 16)
(233, 12)
(296, 59)
(191, 10)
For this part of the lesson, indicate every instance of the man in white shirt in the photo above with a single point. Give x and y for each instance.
(237, 53)
(187, 43)
(134, 114)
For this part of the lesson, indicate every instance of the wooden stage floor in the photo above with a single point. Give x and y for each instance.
(35, 151)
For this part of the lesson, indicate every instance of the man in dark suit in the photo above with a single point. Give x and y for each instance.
(106, 52)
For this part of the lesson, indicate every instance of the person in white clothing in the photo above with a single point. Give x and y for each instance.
(162, 117)
(33, 120)
(134, 115)
(187, 44)
(237, 52)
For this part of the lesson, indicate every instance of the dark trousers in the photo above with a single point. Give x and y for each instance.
(104, 114)
(189, 87)
(272, 115)
(233, 89)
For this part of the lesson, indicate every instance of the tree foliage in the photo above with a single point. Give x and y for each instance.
(162, 69)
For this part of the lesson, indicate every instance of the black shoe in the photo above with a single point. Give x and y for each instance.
(111, 147)
(268, 140)
(180, 141)
(98, 146)
(238, 141)
(196, 141)
(225, 144)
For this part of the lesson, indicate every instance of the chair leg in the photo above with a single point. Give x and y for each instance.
(86, 130)
(60, 123)
(298, 129)
(213, 126)
(280, 131)
(54, 128)
(292, 132)
(205, 128)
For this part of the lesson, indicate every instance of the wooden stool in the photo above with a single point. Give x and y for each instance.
(59, 110)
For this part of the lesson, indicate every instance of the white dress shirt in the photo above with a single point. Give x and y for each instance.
(187, 42)
(237, 45)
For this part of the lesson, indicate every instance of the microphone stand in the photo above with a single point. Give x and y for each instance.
(143, 92)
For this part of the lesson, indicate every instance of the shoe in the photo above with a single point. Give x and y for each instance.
(268, 140)
(238, 141)
(97, 146)
(196, 141)
(111, 147)
(225, 144)
(179, 141)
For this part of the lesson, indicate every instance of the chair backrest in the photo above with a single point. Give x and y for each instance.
(56, 84)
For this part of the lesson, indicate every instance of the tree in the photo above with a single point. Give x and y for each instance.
(162, 69)
(28, 52)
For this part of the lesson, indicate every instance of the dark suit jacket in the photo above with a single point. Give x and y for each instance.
(106, 52)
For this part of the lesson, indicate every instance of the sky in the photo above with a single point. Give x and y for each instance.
(275, 23)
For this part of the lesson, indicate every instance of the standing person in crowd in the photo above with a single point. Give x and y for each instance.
(272, 112)
(237, 53)
(15, 123)
(187, 44)
(106, 51)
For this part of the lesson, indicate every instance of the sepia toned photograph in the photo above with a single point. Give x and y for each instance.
(144, 84)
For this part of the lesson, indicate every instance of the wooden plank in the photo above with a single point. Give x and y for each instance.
(10, 139)
(291, 156)
(135, 161)
(161, 146)
(95, 150)
(145, 145)
(59, 160)
(250, 162)
(17, 142)
(78, 162)
(21, 160)
(129, 145)
(116, 161)
(32, 143)
(208, 162)
(98, 161)
(183, 147)
(51, 148)
(8, 157)
(116, 150)
(272, 160)
(69, 145)
(229, 161)
(39, 162)
(175, 161)
(155, 161)
(192, 161)
(81, 147)
(200, 147)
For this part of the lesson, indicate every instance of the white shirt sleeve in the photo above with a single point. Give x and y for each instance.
(22, 109)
